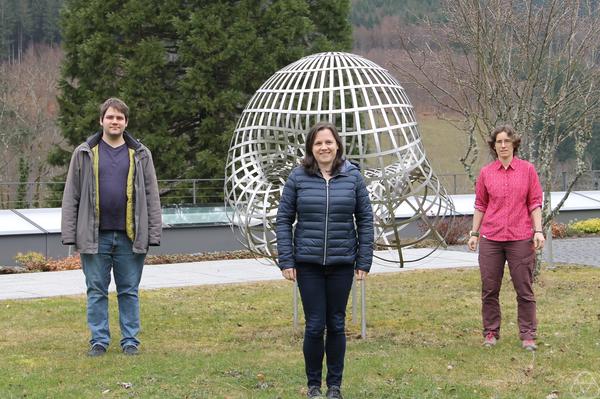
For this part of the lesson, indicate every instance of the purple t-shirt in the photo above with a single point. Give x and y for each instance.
(113, 165)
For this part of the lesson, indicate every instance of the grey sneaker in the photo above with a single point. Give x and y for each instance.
(314, 392)
(529, 345)
(96, 350)
(130, 350)
(334, 392)
(490, 340)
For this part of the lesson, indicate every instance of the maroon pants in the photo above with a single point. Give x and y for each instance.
(520, 256)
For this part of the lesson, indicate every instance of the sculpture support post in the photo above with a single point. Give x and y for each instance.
(363, 307)
(354, 319)
(295, 306)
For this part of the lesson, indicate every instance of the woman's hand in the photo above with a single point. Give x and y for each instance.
(539, 240)
(472, 244)
(361, 274)
(289, 273)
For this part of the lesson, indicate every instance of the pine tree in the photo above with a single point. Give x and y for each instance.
(27, 22)
(186, 68)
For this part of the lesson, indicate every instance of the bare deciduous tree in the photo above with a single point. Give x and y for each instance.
(28, 114)
(530, 63)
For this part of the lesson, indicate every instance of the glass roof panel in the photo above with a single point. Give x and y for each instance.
(13, 224)
(47, 218)
(181, 216)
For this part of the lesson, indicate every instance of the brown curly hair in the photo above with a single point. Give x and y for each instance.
(510, 132)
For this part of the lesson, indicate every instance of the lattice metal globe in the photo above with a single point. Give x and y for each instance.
(379, 131)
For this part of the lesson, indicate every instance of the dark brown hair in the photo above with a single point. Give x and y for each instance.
(309, 162)
(510, 132)
(117, 104)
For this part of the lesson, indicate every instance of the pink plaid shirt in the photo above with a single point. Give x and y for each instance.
(507, 197)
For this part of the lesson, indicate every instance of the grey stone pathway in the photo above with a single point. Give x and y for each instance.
(584, 251)
(581, 251)
(72, 282)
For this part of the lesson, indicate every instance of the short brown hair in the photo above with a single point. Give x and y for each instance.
(510, 132)
(309, 162)
(117, 104)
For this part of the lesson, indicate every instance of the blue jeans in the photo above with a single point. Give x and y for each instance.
(324, 291)
(114, 251)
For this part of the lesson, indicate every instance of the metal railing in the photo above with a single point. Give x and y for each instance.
(191, 191)
(459, 183)
(17, 195)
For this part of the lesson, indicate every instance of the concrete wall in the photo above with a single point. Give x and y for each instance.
(177, 240)
(412, 229)
(174, 241)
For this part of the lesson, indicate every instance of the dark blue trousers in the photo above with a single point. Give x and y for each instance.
(324, 291)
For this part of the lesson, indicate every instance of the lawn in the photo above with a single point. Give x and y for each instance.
(444, 146)
(237, 341)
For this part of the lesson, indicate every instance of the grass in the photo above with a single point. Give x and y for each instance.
(236, 341)
(444, 146)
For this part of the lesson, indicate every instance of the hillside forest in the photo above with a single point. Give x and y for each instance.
(39, 70)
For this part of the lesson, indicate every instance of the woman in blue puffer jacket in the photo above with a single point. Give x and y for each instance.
(333, 239)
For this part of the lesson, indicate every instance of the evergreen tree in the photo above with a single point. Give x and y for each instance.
(36, 20)
(27, 22)
(8, 26)
(185, 68)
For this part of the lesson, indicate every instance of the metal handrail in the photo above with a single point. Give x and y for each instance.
(40, 194)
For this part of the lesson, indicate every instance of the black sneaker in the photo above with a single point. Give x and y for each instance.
(314, 392)
(334, 392)
(96, 350)
(130, 350)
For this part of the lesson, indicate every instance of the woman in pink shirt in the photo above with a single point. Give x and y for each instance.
(507, 225)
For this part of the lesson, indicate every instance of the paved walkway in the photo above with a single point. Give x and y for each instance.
(585, 251)
(37, 285)
(580, 251)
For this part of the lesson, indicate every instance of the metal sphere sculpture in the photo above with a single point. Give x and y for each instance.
(379, 131)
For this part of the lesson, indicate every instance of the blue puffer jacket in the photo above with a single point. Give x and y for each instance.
(326, 212)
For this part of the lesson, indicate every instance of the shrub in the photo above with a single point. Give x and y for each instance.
(36, 262)
(199, 257)
(31, 261)
(454, 230)
(589, 226)
(559, 230)
(69, 263)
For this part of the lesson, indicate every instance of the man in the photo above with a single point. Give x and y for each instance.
(111, 213)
